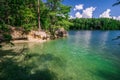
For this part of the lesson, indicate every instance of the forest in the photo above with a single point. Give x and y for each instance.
(24, 13)
(95, 24)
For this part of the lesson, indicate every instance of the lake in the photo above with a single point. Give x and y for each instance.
(83, 55)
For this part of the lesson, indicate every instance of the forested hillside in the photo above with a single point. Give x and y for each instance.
(95, 24)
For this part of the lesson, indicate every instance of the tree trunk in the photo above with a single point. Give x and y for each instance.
(39, 25)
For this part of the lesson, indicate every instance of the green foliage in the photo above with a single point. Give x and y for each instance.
(4, 34)
(7, 37)
(58, 14)
(19, 13)
(23, 13)
(95, 24)
(65, 24)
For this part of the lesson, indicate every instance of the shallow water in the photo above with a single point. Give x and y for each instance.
(83, 55)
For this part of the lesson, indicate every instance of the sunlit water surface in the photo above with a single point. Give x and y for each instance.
(83, 55)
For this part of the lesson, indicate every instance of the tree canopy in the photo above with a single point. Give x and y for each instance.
(24, 13)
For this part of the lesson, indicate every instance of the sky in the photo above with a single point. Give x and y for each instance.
(93, 8)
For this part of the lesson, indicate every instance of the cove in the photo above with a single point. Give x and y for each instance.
(83, 55)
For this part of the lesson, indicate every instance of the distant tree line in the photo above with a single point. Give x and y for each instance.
(95, 24)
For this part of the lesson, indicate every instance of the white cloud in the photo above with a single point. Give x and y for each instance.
(88, 12)
(78, 15)
(114, 17)
(117, 18)
(106, 14)
(78, 7)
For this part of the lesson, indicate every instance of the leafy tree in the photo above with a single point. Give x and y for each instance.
(57, 15)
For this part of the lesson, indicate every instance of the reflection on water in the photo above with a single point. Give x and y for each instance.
(84, 55)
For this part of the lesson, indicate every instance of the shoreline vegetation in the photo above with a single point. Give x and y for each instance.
(19, 34)
(37, 18)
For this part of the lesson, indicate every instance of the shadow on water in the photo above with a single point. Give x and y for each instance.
(43, 75)
(13, 69)
(43, 58)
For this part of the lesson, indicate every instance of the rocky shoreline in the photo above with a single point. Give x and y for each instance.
(19, 35)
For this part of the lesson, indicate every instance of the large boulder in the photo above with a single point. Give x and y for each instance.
(61, 32)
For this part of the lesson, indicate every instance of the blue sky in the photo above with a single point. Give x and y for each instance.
(100, 7)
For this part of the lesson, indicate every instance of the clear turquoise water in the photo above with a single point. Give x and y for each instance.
(83, 55)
